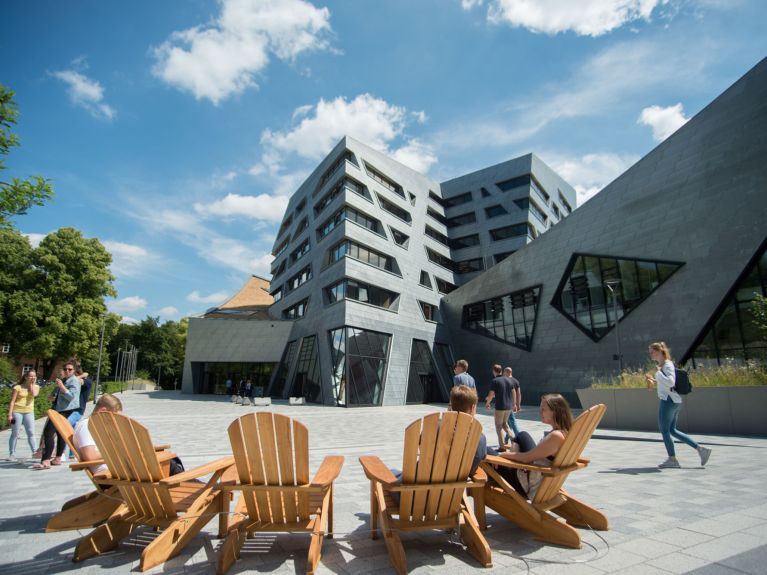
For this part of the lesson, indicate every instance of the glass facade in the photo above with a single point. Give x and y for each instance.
(732, 336)
(362, 292)
(424, 385)
(359, 365)
(363, 254)
(286, 363)
(445, 363)
(349, 213)
(211, 376)
(306, 381)
(584, 298)
(509, 318)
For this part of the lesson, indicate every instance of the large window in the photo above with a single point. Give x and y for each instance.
(509, 318)
(583, 295)
(359, 365)
(302, 249)
(306, 381)
(362, 292)
(345, 184)
(435, 235)
(461, 220)
(464, 242)
(444, 286)
(300, 278)
(440, 260)
(565, 203)
(286, 364)
(464, 198)
(327, 174)
(423, 385)
(394, 209)
(349, 213)
(495, 211)
(434, 214)
(732, 334)
(387, 183)
(362, 253)
(513, 231)
(296, 311)
(399, 238)
(211, 376)
(470, 266)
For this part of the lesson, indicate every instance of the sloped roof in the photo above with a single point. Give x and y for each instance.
(250, 302)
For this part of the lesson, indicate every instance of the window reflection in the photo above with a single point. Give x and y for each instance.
(510, 318)
(359, 365)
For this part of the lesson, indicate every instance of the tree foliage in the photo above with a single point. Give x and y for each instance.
(52, 296)
(759, 311)
(16, 195)
(157, 344)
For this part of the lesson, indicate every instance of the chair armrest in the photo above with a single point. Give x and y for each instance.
(545, 470)
(219, 465)
(80, 465)
(479, 476)
(328, 471)
(162, 446)
(375, 470)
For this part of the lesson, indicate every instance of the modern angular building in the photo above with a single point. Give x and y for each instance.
(382, 276)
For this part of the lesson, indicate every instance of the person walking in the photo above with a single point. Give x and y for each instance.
(21, 411)
(670, 405)
(501, 391)
(67, 401)
(462, 376)
(516, 400)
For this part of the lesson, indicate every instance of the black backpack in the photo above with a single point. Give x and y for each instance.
(683, 385)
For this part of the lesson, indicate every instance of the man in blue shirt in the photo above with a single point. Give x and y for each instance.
(462, 376)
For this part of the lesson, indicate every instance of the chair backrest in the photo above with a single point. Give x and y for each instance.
(571, 450)
(128, 452)
(272, 450)
(64, 429)
(439, 449)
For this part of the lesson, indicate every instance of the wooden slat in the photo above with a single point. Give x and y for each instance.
(271, 468)
(410, 457)
(251, 470)
(301, 446)
(441, 458)
(283, 429)
(458, 452)
(467, 459)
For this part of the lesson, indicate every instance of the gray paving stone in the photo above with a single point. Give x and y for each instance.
(710, 522)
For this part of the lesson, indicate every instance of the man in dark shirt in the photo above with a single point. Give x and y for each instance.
(501, 389)
(516, 402)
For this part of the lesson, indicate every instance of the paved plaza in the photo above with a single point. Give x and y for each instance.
(689, 520)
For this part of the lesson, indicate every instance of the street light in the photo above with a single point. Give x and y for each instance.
(612, 285)
(98, 366)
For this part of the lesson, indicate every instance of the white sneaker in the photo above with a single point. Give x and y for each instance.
(670, 463)
(704, 453)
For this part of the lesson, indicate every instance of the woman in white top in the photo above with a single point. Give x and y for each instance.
(670, 405)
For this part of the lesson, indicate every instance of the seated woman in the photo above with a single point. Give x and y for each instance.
(555, 411)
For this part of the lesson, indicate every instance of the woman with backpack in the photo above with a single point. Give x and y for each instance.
(670, 405)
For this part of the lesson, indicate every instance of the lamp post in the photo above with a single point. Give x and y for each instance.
(612, 285)
(98, 366)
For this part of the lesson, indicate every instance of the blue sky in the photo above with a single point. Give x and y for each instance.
(175, 132)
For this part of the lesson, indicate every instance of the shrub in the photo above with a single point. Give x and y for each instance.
(42, 404)
(722, 376)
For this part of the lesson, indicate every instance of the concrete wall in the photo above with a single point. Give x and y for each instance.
(700, 197)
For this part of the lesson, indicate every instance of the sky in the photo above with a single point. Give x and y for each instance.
(175, 132)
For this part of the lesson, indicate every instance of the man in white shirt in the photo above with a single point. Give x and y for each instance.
(83, 440)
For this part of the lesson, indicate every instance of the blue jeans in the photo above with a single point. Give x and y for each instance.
(513, 424)
(667, 415)
(28, 421)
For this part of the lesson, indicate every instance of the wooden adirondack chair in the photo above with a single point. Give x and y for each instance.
(533, 515)
(87, 510)
(438, 453)
(271, 454)
(150, 498)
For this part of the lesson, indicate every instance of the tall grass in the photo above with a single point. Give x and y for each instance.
(723, 376)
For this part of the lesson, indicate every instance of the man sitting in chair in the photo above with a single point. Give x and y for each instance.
(83, 439)
(464, 399)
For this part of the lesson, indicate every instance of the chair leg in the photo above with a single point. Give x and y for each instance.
(106, 536)
(89, 512)
(391, 537)
(329, 532)
(224, 501)
(175, 537)
(315, 548)
(580, 514)
(478, 495)
(475, 542)
(373, 511)
(80, 500)
(230, 550)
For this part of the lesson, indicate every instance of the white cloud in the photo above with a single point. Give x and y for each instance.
(223, 58)
(168, 311)
(129, 320)
(129, 260)
(590, 173)
(35, 239)
(127, 304)
(366, 118)
(584, 17)
(663, 121)
(86, 93)
(261, 207)
(215, 298)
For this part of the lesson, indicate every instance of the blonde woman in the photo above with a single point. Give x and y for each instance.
(670, 405)
(21, 410)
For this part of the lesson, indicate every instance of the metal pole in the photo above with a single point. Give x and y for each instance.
(612, 285)
(98, 366)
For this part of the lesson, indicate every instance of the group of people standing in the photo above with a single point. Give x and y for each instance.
(506, 392)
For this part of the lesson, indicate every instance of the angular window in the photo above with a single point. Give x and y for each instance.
(301, 205)
(285, 225)
(464, 242)
(430, 311)
(281, 247)
(435, 235)
(509, 318)
(440, 259)
(327, 174)
(436, 215)
(346, 183)
(349, 213)
(277, 388)
(495, 211)
(523, 203)
(565, 203)
(362, 253)
(387, 183)
(299, 279)
(514, 183)
(435, 198)
(584, 294)
(513, 231)
(732, 334)
(423, 384)
(362, 292)
(302, 249)
(445, 362)
(461, 220)
(412, 198)
(296, 311)
(302, 225)
(538, 212)
(399, 238)
(306, 381)
(470, 266)
(394, 209)
(425, 281)
(444, 286)
(457, 200)
(279, 269)
(557, 213)
(277, 294)
(485, 193)
(498, 258)
(359, 365)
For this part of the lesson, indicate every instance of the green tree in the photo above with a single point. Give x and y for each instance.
(55, 309)
(759, 311)
(16, 196)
